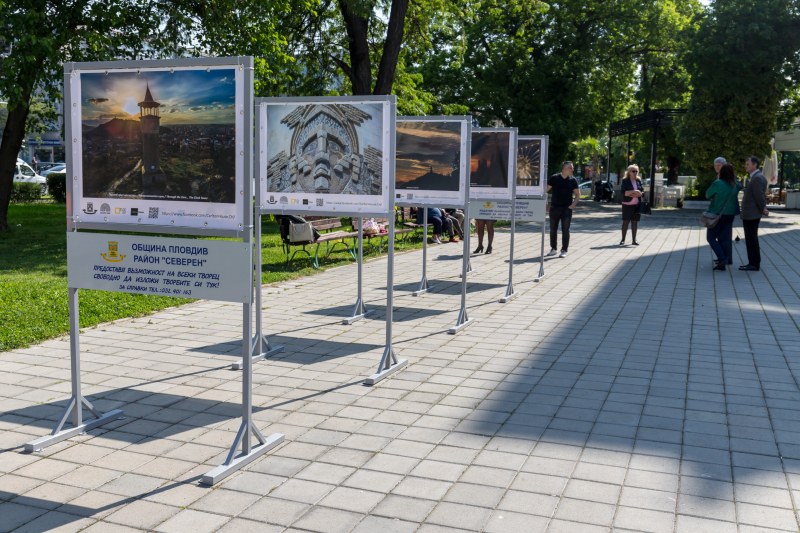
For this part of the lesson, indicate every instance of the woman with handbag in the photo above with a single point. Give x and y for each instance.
(632, 195)
(722, 193)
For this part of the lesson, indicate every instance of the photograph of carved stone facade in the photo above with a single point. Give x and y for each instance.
(325, 149)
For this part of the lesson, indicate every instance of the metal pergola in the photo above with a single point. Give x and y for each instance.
(652, 119)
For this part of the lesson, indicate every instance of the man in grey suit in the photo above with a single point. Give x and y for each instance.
(754, 206)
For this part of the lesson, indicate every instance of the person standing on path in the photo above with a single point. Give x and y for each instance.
(723, 194)
(565, 196)
(754, 206)
(632, 191)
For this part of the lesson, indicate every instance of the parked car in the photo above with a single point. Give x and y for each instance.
(585, 188)
(25, 174)
(56, 167)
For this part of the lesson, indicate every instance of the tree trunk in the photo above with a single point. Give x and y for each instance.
(13, 135)
(360, 66)
(391, 47)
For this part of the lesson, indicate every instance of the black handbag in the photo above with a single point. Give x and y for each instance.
(644, 207)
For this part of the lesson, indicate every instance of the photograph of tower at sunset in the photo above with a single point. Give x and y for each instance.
(159, 135)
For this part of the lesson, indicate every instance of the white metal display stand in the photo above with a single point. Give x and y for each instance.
(77, 401)
(360, 309)
(541, 254)
(449, 201)
(510, 293)
(389, 363)
(463, 319)
(423, 284)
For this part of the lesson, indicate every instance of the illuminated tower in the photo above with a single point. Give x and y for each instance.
(150, 119)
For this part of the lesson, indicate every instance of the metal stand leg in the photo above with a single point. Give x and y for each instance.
(77, 402)
(389, 363)
(463, 320)
(423, 284)
(510, 294)
(541, 257)
(360, 310)
(260, 345)
(247, 429)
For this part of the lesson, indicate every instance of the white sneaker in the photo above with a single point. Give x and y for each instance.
(436, 240)
(551, 253)
(563, 253)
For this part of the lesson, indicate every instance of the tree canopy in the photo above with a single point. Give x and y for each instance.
(743, 61)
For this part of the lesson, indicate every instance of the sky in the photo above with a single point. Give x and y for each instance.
(186, 96)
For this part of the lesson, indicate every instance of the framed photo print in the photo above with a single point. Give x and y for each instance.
(493, 163)
(432, 161)
(326, 155)
(160, 144)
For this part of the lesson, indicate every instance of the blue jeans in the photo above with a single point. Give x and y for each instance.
(719, 237)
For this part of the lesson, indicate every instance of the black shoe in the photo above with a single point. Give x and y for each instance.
(488, 249)
(478, 250)
(622, 243)
(635, 243)
(720, 266)
(749, 268)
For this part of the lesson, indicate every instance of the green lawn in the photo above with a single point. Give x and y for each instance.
(33, 278)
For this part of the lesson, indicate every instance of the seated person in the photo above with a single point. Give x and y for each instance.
(456, 216)
(440, 224)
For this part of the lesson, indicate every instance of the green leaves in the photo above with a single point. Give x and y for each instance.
(742, 61)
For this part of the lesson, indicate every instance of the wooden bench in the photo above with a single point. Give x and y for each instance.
(382, 238)
(330, 235)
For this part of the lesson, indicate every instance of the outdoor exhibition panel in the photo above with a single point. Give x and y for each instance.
(532, 165)
(525, 210)
(158, 146)
(493, 170)
(161, 147)
(331, 156)
(532, 152)
(432, 159)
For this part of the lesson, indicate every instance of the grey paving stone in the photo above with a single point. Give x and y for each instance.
(508, 522)
(275, 511)
(404, 508)
(142, 514)
(191, 520)
(371, 524)
(585, 512)
(763, 516)
(325, 519)
(692, 524)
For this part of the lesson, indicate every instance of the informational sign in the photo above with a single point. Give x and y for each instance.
(493, 163)
(186, 268)
(531, 164)
(527, 209)
(432, 159)
(160, 145)
(330, 155)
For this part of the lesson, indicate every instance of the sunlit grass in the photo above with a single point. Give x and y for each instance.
(33, 277)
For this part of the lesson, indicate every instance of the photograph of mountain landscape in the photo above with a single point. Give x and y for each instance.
(428, 155)
(159, 135)
(489, 162)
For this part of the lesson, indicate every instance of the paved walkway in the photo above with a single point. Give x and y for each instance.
(632, 389)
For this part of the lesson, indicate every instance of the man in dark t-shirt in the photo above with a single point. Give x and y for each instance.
(565, 196)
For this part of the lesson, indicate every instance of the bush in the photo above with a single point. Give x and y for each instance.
(57, 186)
(26, 192)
